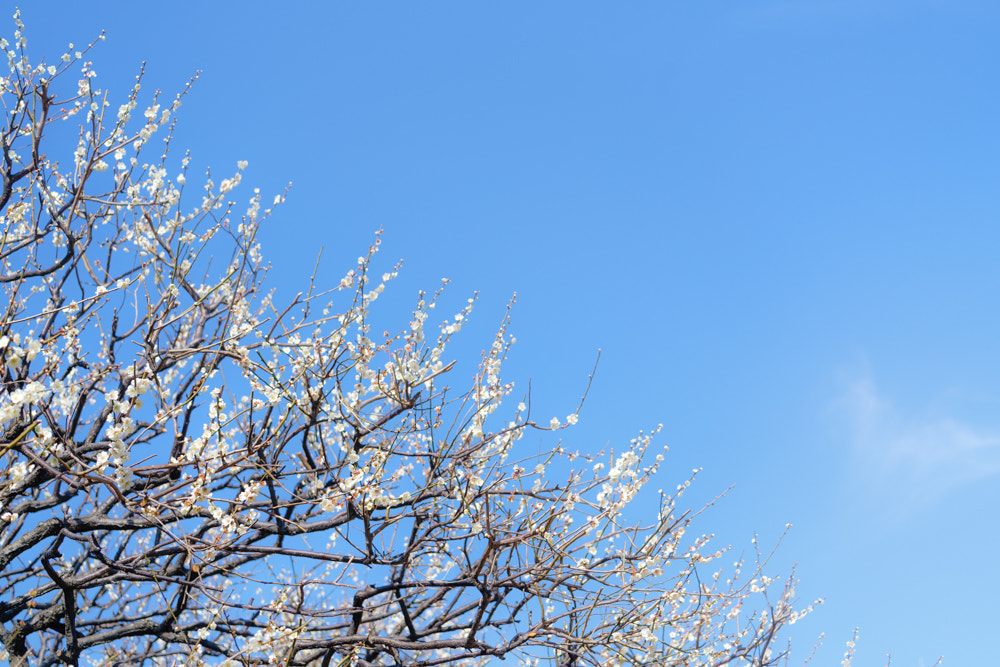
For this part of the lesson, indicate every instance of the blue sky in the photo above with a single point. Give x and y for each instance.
(776, 219)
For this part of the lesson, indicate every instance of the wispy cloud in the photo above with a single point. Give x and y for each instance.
(914, 457)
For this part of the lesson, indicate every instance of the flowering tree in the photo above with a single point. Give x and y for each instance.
(194, 474)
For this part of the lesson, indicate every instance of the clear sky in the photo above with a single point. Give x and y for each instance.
(777, 220)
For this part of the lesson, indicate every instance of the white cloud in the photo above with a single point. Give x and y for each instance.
(914, 457)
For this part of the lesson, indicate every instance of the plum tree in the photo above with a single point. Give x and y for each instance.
(195, 474)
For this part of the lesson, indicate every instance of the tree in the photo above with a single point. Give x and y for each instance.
(194, 474)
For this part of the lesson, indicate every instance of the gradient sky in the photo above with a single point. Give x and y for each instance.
(776, 219)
